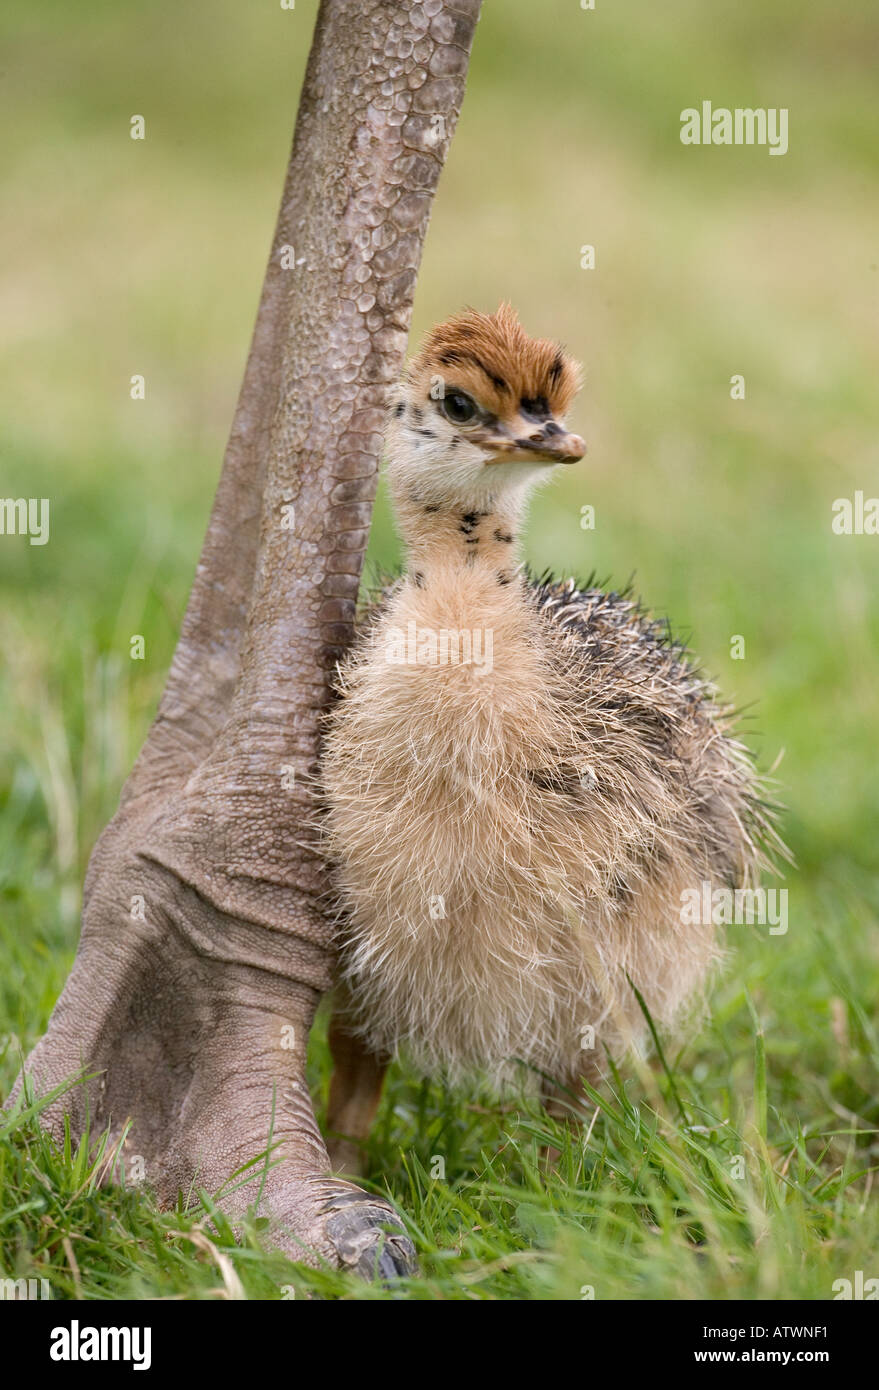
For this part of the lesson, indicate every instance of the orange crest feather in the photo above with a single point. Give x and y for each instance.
(493, 358)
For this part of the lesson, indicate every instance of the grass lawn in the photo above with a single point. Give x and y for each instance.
(742, 1164)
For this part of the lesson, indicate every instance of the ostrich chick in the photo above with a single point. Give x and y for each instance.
(521, 779)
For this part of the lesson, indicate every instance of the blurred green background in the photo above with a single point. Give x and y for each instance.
(122, 257)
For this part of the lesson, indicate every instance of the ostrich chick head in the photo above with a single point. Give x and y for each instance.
(480, 413)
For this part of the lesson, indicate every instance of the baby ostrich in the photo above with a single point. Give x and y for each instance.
(521, 778)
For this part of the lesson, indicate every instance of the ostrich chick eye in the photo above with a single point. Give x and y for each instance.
(460, 408)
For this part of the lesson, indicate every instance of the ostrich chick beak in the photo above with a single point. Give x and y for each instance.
(520, 442)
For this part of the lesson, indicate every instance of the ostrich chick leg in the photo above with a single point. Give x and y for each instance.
(355, 1093)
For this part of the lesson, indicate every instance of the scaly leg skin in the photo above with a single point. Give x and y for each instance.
(194, 1025)
(355, 1094)
(204, 950)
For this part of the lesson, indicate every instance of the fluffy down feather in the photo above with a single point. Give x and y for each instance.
(511, 845)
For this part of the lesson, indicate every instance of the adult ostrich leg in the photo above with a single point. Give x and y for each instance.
(204, 948)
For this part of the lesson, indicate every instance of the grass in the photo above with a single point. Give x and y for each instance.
(746, 1169)
(737, 1173)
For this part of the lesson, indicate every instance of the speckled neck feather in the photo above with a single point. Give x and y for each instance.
(471, 535)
